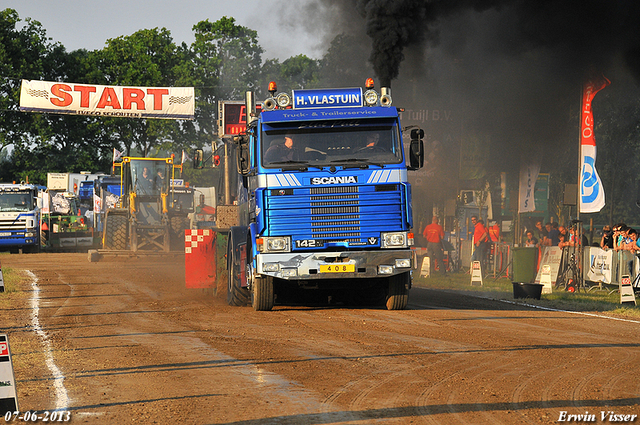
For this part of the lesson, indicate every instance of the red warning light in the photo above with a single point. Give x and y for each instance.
(216, 160)
(272, 87)
(369, 83)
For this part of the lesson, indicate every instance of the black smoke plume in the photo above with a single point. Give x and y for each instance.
(585, 33)
(504, 74)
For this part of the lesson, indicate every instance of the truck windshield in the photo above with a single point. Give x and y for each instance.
(326, 143)
(16, 201)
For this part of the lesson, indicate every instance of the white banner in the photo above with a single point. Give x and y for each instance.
(528, 176)
(551, 256)
(107, 101)
(591, 199)
(600, 262)
(591, 187)
(97, 204)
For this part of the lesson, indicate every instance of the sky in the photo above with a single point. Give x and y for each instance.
(88, 24)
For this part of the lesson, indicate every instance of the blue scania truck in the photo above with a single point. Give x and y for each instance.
(19, 218)
(324, 202)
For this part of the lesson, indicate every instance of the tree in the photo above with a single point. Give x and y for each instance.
(617, 126)
(147, 58)
(300, 72)
(24, 54)
(225, 60)
(346, 63)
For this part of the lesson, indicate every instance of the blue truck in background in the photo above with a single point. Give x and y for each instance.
(324, 202)
(19, 218)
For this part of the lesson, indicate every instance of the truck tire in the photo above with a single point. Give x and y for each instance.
(116, 232)
(236, 294)
(262, 294)
(398, 291)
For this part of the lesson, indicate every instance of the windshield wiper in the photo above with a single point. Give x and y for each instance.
(363, 163)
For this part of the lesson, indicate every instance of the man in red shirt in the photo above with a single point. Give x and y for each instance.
(434, 233)
(494, 232)
(480, 239)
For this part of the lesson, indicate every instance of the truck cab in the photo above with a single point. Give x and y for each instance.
(19, 218)
(325, 200)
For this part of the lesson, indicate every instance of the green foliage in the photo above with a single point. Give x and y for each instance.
(223, 62)
(616, 110)
(346, 63)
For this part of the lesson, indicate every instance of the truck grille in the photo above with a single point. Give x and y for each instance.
(356, 214)
(13, 224)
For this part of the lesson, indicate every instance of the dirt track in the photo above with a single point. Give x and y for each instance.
(132, 344)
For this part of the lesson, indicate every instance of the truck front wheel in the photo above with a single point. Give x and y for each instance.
(398, 291)
(262, 293)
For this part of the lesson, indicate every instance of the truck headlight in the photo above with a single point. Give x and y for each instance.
(371, 97)
(276, 244)
(394, 240)
(270, 267)
(283, 100)
(289, 272)
(385, 269)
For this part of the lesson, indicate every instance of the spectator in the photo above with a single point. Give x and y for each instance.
(494, 232)
(566, 240)
(620, 238)
(434, 233)
(531, 241)
(540, 233)
(552, 237)
(633, 247)
(562, 240)
(607, 238)
(630, 244)
(480, 239)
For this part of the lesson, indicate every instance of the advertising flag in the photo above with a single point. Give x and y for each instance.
(529, 171)
(185, 157)
(591, 196)
(116, 154)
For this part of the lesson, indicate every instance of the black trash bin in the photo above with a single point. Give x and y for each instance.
(527, 290)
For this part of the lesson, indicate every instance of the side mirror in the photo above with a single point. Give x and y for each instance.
(198, 159)
(416, 149)
(417, 133)
(242, 154)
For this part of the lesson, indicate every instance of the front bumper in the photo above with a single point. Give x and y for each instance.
(17, 240)
(314, 265)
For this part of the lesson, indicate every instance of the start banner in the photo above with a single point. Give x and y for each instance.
(107, 101)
